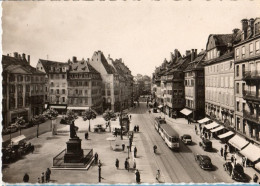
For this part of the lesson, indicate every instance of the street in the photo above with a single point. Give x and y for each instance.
(175, 167)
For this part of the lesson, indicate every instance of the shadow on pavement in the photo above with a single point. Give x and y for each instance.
(52, 138)
(214, 150)
(214, 168)
(62, 134)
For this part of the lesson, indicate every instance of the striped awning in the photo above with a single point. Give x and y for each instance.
(204, 120)
(217, 129)
(229, 133)
(211, 125)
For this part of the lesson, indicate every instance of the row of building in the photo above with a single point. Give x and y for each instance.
(97, 83)
(221, 82)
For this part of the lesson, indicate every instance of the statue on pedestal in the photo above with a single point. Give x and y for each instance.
(73, 133)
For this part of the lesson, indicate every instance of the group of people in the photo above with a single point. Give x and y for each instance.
(205, 134)
(44, 178)
(223, 152)
(136, 128)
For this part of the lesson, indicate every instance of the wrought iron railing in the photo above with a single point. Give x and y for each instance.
(250, 116)
(251, 74)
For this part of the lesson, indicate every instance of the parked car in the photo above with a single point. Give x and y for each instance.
(186, 138)
(204, 161)
(12, 128)
(235, 171)
(206, 144)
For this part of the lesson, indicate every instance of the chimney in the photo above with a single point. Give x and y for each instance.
(187, 52)
(244, 28)
(24, 56)
(16, 55)
(74, 59)
(29, 59)
(108, 56)
(251, 22)
(195, 54)
(192, 55)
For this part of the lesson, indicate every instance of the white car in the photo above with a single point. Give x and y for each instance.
(186, 138)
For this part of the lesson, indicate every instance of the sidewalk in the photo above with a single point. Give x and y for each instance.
(215, 144)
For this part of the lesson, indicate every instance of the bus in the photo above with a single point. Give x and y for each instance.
(170, 136)
(157, 122)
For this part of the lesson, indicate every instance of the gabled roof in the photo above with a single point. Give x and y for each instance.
(81, 66)
(104, 62)
(47, 64)
(198, 62)
(226, 56)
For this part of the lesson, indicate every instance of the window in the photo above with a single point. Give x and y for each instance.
(86, 83)
(20, 101)
(237, 70)
(51, 77)
(51, 91)
(237, 53)
(20, 78)
(238, 105)
(257, 47)
(108, 93)
(63, 76)
(243, 52)
(63, 91)
(86, 100)
(238, 123)
(20, 88)
(27, 88)
(76, 91)
(244, 106)
(180, 92)
(86, 92)
(243, 87)
(58, 91)
(251, 48)
(237, 88)
(11, 102)
(80, 92)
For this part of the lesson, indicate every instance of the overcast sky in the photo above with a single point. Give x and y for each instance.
(141, 33)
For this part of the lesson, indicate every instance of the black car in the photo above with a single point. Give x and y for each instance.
(186, 138)
(235, 171)
(204, 162)
(206, 144)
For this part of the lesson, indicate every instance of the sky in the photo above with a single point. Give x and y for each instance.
(142, 33)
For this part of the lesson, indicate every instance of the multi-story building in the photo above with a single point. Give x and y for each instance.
(84, 87)
(110, 80)
(23, 86)
(194, 85)
(56, 83)
(247, 80)
(219, 78)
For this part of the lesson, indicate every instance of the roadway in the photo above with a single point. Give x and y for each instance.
(177, 167)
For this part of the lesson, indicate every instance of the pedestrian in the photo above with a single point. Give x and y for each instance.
(96, 158)
(32, 148)
(232, 159)
(221, 151)
(137, 176)
(126, 164)
(225, 155)
(130, 116)
(134, 165)
(39, 180)
(26, 178)
(115, 133)
(86, 135)
(255, 178)
(99, 174)
(48, 175)
(206, 135)
(135, 151)
(158, 175)
(42, 177)
(200, 127)
(226, 147)
(243, 161)
(196, 129)
(117, 163)
(123, 147)
(209, 134)
(137, 128)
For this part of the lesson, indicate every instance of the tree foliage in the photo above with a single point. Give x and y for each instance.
(69, 117)
(51, 113)
(108, 115)
(89, 114)
(20, 121)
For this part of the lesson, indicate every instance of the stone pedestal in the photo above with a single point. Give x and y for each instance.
(74, 152)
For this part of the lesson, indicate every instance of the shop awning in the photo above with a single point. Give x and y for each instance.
(257, 166)
(77, 108)
(229, 133)
(238, 142)
(204, 120)
(211, 125)
(186, 111)
(17, 139)
(58, 107)
(160, 106)
(252, 152)
(217, 129)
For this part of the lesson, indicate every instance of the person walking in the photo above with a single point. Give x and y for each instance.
(225, 155)
(126, 164)
(26, 178)
(135, 152)
(196, 129)
(137, 128)
(137, 176)
(209, 134)
(221, 151)
(130, 117)
(99, 174)
(134, 164)
(206, 135)
(123, 147)
(200, 127)
(117, 163)
(255, 178)
(154, 149)
(42, 177)
(158, 175)
(226, 147)
(96, 158)
(39, 180)
(232, 159)
(243, 161)
(48, 175)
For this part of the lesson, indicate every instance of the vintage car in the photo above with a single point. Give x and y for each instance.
(99, 128)
(204, 161)
(235, 171)
(186, 138)
(12, 128)
(206, 144)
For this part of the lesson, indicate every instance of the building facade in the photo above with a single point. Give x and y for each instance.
(219, 79)
(23, 86)
(247, 80)
(194, 85)
(56, 83)
(84, 87)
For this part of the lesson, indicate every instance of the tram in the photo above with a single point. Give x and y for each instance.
(158, 121)
(170, 136)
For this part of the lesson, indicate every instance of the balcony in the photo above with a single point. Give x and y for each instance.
(251, 75)
(251, 95)
(251, 117)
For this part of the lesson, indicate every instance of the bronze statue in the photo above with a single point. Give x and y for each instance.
(73, 133)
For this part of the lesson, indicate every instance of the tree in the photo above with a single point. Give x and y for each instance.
(88, 115)
(69, 117)
(20, 122)
(52, 115)
(108, 115)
